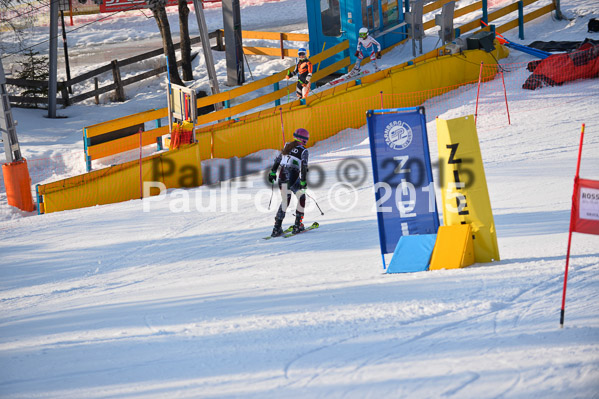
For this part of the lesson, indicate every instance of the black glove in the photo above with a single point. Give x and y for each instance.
(378, 55)
(303, 185)
(357, 54)
(272, 176)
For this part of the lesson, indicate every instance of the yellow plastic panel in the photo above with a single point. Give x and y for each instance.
(454, 248)
(464, 185)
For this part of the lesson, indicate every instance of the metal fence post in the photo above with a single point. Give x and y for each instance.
(521, 20)
(227, 105)
(276, 88)
(485, 7)
(159, 138)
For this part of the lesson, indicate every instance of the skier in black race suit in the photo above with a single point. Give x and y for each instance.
(293, 161)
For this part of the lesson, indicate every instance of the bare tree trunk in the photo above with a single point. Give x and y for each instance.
(185, 40)
(167, 43)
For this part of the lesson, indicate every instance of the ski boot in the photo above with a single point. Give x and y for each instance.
(277, 230)
(298, 226)
(355, 71)
(376, 67)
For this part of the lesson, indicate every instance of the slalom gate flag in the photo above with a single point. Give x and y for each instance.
(464, 185)
(403, 181)
(585, 206)
(584, 214)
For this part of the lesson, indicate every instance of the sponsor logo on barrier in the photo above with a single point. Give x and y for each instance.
(398, 135)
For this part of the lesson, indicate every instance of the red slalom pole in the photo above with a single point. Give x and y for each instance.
(480, 76)
(563, 310)
(505, 95)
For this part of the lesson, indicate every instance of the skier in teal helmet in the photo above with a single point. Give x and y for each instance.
(367, 46)
(293, 161)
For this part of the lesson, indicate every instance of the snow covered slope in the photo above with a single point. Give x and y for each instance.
(145, 299)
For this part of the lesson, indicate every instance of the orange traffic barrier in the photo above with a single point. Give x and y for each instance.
(18, 185)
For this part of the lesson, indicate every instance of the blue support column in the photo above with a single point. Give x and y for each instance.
(88, 160)
(485, 12)
(38, 197)
(303, 101)
(159, 139)
(276, 88)
(521, 20)
(558, 11)
(458, 32)
(227, 105)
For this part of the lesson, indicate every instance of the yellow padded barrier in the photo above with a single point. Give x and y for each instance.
(179, 168)
(325, 115)
(464, 185)
(454, 248)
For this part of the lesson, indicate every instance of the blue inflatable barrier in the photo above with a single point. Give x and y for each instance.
(412, 254)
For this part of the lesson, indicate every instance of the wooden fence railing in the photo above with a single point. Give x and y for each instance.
(118, 84)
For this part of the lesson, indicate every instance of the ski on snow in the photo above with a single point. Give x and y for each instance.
(288, 232)
(347, 77)
(313, 226)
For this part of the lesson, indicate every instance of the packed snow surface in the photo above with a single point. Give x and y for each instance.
(180, 297)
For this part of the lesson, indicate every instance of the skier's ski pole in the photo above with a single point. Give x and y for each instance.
(312, 198)
(272, 190)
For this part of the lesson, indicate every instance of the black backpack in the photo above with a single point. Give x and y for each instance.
(593, 25)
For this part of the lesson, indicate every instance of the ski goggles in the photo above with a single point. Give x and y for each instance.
(363, 35)
(302, 54)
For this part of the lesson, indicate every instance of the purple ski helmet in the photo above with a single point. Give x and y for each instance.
(302, 135)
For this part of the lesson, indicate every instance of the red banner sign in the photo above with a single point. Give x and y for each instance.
(124, 5)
